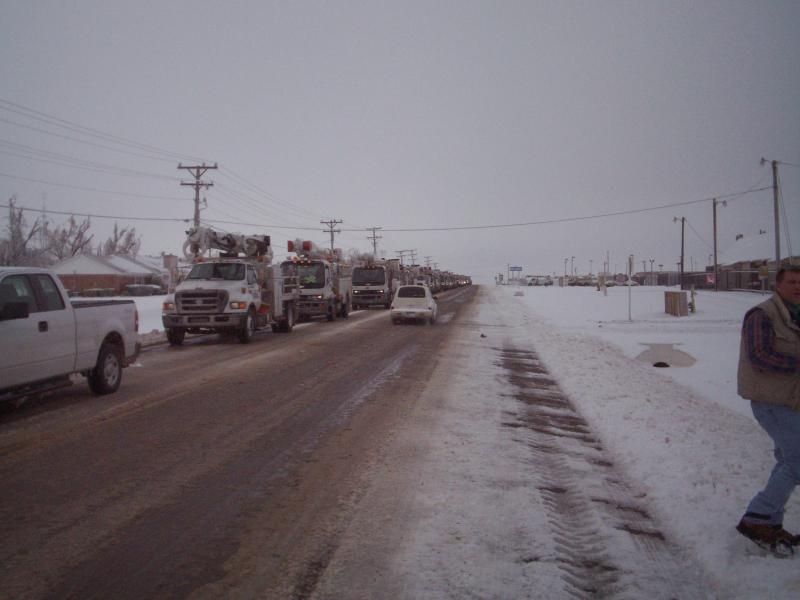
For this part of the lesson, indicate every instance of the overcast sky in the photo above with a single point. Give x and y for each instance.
(409, 115)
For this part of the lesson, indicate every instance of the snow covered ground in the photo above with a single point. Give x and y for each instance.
(687, 446)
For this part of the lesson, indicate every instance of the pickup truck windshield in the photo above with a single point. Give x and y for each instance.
(227, 271)
(311, 276)
(368, 276)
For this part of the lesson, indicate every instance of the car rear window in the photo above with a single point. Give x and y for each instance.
(411, 291)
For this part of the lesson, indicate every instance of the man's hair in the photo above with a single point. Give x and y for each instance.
(783, 270)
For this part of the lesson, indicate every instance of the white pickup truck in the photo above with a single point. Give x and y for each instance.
(45, 337)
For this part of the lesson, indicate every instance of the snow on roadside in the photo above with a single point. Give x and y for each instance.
(682, 434)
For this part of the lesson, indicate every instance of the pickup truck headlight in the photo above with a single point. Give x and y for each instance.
(168, 306)
(239, 305)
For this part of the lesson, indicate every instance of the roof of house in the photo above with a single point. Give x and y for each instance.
(91, 264)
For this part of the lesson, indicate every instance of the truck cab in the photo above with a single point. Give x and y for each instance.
(373, 285)
(324, 287)
(233, 295)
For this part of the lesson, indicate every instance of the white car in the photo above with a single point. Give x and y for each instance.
(413, 303)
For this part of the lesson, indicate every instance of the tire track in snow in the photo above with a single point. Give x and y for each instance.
(607, 543)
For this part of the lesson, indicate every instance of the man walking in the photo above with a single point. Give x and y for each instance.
(769, 376)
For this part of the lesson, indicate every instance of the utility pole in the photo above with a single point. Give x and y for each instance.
(413, 256)
(652, 275)
(374, 237)
(776, 200)
(428, 261)
(683, 228)
(197, 172)
(716, 258)
(572, 266)
(331, 230)
(402, 254)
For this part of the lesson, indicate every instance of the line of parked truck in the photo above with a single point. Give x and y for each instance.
(239, 290)
(46, 337)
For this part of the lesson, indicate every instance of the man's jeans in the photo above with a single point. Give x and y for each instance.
(783, 426)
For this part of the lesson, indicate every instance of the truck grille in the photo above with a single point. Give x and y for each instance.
(201, 301)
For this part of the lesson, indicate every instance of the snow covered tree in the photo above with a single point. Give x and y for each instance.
(122, 241)
(16, 248)
(69, 240)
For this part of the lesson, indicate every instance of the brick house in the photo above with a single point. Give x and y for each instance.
(88, 271)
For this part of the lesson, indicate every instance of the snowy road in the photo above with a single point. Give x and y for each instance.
(515, 450)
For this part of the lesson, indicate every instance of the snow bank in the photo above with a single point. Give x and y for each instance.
(682, 433)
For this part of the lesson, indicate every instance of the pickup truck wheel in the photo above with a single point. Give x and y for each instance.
(248, 327)
(107, 373)
(175, 336)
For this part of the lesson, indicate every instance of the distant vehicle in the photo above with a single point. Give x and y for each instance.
(324, 283)
(610, 283)
(45, 337)
(414, 303)
(631, 282)
(143, 289)
(375, 283)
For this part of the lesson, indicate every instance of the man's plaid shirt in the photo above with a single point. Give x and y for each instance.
(759, 340)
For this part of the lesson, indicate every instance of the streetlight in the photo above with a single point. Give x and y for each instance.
(565, 269)
(572, 266)
(652, 260)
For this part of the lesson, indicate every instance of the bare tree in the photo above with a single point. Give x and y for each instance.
(122, 241)
(73, 238)
(14, 249)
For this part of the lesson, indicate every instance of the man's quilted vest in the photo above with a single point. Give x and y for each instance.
(768, 386)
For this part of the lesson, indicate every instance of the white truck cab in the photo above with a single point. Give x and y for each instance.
(230, 295)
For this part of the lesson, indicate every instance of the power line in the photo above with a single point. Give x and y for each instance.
(269, 195)
(97, 216)
(89, 166)
(88, 143)
(572, 219)
(36, 115)
(86, 189)
(697, 234)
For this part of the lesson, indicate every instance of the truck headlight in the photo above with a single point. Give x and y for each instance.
(168, 306)
(239, 305)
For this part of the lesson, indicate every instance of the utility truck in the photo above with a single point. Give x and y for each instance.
(237, 292)
(374, 283)
(323, 280)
